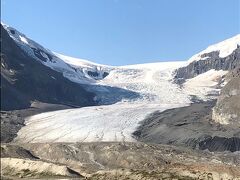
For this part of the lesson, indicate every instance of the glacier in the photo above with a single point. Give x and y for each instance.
(127, 95)
(116, 122)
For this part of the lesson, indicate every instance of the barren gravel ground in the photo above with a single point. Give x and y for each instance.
(190, 126)
(117, 161)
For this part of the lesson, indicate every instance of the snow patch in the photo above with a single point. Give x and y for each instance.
(23, 39)
(204, 84)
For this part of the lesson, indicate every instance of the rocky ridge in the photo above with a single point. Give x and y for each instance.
(24, 80)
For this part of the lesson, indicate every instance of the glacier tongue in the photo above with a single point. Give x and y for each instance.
(114, 122)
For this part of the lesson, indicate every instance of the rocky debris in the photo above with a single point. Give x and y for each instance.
(217, 143)
(108, 160)
(14, 151)
(11, 123)
(190, 126)
(166, 174)
(227, 109)
(138, 174)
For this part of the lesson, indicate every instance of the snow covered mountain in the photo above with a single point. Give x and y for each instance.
(222, 56)
(76, 70)
(24, 80)
(224, 48)
(124, 95)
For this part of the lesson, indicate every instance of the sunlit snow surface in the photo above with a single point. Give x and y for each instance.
(153, 84)
(202, 85)
(225, 48)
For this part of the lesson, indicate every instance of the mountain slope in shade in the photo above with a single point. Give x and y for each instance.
(77, 70)
(23, 80)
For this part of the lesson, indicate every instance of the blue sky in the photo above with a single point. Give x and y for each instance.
(120, 32)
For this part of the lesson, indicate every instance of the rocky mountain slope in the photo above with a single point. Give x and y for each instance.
(23, 80)
(77, 70)
(227, 109)
(222, 56)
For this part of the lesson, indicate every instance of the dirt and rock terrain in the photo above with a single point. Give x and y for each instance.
(190, 126)
(125, 160)
(115, 161)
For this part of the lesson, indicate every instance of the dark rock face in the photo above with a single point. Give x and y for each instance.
(12, 31)
(38, 53)
(212, 62)
(97, 75)
(11, 122)
(93, 74)
(23, 79)
(105, 74)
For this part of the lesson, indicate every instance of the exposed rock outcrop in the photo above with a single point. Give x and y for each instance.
(190, 126)
(209, 61)
(227, 109)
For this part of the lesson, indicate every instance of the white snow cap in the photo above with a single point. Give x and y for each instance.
(225, 48)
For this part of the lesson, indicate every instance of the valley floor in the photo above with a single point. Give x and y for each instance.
(115, 160)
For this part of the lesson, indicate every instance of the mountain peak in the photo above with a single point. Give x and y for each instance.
(224, 48)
